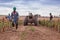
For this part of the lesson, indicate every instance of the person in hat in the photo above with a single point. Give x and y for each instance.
(14, 17)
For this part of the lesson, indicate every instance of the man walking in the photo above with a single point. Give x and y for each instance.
(51, 17)
(14, 17)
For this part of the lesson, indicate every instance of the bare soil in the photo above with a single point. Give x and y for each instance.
(24, 33)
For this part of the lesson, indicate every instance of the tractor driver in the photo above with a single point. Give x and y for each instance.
(30, 15)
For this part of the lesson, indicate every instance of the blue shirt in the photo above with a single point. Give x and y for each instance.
(15, 16)
(9, 17)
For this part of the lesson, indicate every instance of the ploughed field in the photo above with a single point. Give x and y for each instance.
(45, 30)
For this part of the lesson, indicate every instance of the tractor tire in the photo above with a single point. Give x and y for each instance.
(35, 23)
(25, 21)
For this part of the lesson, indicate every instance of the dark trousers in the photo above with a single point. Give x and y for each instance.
(15, 24)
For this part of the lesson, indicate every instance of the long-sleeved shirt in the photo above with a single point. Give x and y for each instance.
(14, 16)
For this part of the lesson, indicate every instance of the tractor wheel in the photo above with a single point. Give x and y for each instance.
(35, 23)
(25, 23)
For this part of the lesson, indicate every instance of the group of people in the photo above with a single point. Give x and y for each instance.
(14, 17)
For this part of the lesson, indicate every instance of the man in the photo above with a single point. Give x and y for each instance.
(51, 17)
(15, 17)
(8, 17)
(30, 15)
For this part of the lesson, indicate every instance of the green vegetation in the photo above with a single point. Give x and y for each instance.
(20, 22)
(25, 32)
(1, 24)
(51, 24)
(32, 29)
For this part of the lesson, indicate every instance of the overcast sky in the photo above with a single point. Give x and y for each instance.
(42, 7)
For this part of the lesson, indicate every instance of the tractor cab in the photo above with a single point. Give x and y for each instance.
(30, 15)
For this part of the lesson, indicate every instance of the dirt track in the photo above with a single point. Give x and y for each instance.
(24, 33)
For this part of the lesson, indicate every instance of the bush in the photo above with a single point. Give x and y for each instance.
(20, 22)
(42, 22)
(51, 24)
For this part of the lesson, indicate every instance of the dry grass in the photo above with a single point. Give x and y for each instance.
(43, 21)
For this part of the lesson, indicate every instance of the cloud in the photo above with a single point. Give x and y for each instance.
(50, 2)
(43, 7)
(4, 1)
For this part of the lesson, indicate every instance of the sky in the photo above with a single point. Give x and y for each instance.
(41, 7)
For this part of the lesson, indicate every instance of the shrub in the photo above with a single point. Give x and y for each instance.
(32, 29)
(20, 22)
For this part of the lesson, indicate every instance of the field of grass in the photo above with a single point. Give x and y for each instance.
(55, 24)
(51, 24)
(41, 32)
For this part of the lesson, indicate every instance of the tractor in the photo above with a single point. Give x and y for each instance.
(31, 19)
